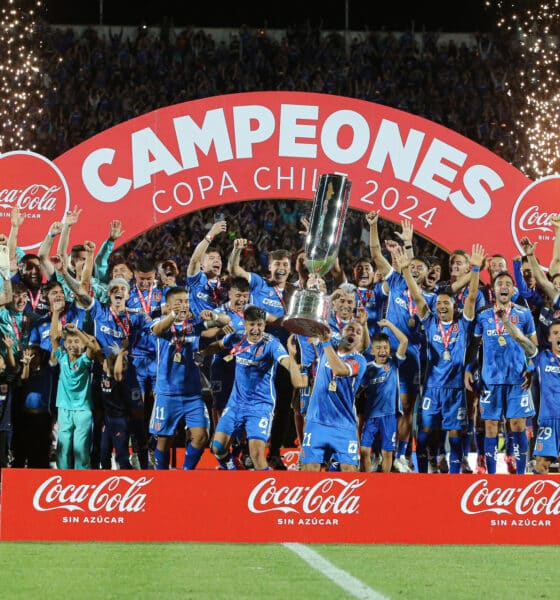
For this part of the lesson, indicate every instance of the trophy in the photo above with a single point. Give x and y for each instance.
(308, 312)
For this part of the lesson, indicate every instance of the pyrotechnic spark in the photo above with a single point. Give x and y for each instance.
(536, 25)
(20, 91)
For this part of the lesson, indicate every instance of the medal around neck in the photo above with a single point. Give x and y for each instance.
(308, 311)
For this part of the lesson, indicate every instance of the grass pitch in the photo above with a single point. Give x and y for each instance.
(271, 571)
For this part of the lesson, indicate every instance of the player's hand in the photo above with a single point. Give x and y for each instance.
(240, 244)
(55, 228)
(205, 315)
(407, 231)
(477, 255)
(71, 327)
(115, 230)
(528, 246)
(402, 260)
(469, 381)
(292, 348)
(372, 217)
(217, 228)
(305, 224)
(361, 316)
(72, 216)
(16, 218)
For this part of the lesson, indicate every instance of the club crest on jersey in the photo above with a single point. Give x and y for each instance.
(259, 351)
(514, 319)
(386, 367)
(157, 296)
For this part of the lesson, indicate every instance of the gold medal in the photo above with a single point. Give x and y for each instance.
(411, 322)
(446, 355)
(228, 357)
(332, 386)
(502, 340)
(177, 357)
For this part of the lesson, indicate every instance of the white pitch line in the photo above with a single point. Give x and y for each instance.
(342, 578)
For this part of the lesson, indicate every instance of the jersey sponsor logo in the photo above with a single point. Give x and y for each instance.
(246, 361)
(401, 302)
(112, 332)
(272, 302)
(331, 495)
(541, 496)
(552, 369)
(117, 493)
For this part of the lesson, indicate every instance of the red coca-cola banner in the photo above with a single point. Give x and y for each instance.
(249, 506)
(274, 145)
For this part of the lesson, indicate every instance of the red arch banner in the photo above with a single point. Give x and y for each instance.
(274, 145)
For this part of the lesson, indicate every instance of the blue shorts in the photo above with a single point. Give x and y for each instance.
(323, 442)
(256, 422)
(444, 408)
(409, 374)
(169, 410)
(511, 401)
(385, 428)
(548, 438)
(146, 371)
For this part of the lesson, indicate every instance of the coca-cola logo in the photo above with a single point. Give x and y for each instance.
(118, 493)
(331, 495)
(532, 213)
(37, 187)
(540, 496)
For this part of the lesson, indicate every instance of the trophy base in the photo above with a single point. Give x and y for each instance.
(305, 326)
(308, 313)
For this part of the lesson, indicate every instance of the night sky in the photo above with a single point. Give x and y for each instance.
(466, 16)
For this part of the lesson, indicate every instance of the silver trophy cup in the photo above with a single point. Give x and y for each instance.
(308, 312)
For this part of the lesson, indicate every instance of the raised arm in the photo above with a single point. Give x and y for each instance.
(381, 263)
(298, 379)
(101, 264)
(403, 262)
(91, 344)
(555, 262)
(401, 337)
(476, 262)
(202, 246)
(45, 249)
(542, 281)
(234, 268)
(55, 328)
(16, 220)
(406, 235)
(70, 218)
(338, 366)
(82, 297)
(6, 296)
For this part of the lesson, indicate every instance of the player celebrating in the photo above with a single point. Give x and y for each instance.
(331, 424)
(503, 374)
(251, 403)
(444, 404)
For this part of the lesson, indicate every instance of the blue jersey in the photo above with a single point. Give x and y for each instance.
(504, 360)
(224, 371)
(461, 296)
(401, 311)
(178, 377)
(548, 368)
(111, 330)
(546, 316)
(382, 387)
(205, 294)
(40, 334)
(446, 369)
(332, 398)
(255, 368)
(373, 300)
(267, 296)
(337, 325)
(142, 301)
